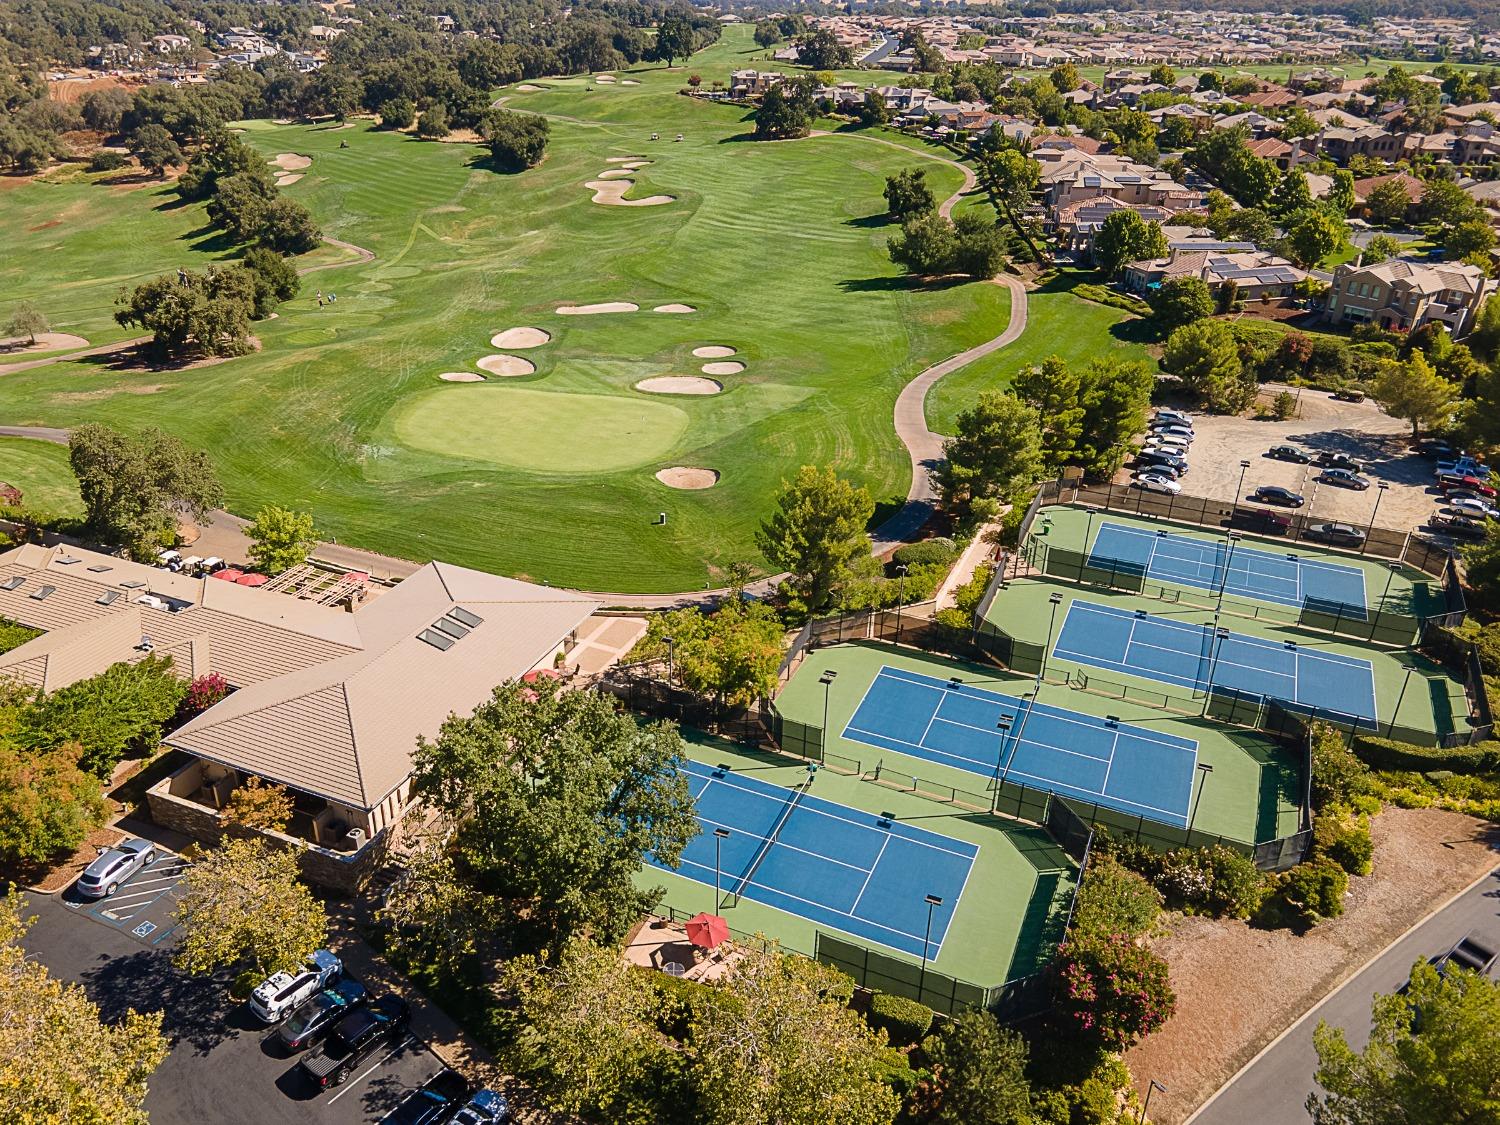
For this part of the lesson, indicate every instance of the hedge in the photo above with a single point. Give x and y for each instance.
(940, 550)
(681, 1004)
(906, 1021)
(1387, 754)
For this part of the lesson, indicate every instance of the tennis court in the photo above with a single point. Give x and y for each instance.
(1177, 652)
(831, 864)
(1124, 767)
(1286, 579)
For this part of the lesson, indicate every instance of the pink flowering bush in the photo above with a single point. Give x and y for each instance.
(203, 693)
(1112, 991)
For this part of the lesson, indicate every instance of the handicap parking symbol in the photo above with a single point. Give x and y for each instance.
(144, 929)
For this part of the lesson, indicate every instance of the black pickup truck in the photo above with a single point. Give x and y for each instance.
(355, 1038)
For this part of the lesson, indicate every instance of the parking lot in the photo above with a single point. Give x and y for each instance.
(224, 1064)
(1380, 443)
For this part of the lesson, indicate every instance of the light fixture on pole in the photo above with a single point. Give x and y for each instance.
(1004, 727)
(826, 679)
(1393, 569)
(1088, 531)
(1151, 1089)
(1054, 600)
(932, 902)
(1204, 769)
(1410, 668)
(900, 598)
(720, 835)
(1027, 701)
(1239, 489)
(1234, 538)
(1220, 636)
(1381, 487)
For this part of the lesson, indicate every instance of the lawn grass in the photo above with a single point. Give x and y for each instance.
(42, 473)
(780, 248)
(1059, 324)
(1006, 922)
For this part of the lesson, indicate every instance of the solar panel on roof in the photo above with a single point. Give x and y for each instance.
(435, 639)
(452, 628)
(44, 593)
(12, 583)
(99, 569)
(109, 597)
(464, 617)
(133, 584)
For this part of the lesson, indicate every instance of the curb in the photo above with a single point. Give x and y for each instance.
(1303, 1018)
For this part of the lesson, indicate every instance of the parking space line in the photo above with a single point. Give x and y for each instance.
(396, 1050)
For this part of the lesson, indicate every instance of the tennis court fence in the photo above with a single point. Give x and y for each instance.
(1381, 626)
(1383, 542)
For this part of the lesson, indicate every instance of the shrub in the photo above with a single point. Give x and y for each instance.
(906, 1021)
(1111, 992)
(1342, 835)
(1337, 775)
(1216, 881)
(1283, 406)
(1114, 900)
(1316, 888)
(939, 550)
(1387, 754)
(680, 1003)
(1236, 885)
(106, 161)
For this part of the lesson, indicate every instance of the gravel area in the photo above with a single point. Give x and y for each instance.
(1239, 987)
(1379, 442)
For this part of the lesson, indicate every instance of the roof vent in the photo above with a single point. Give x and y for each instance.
(464, 617)
(451, 628)
(44, 593)
(14, 582)
(68, 560)
(100, 569)
(109, 597)
(436, 640)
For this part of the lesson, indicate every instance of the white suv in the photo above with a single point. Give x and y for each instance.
(273, 999)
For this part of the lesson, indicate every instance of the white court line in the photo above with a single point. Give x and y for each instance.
(870, 874)
(781, 843)
(1104, 785)
(1032, 741)
(805, 807)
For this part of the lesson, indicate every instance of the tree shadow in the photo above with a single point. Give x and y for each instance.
(1136, 330)
(871, 221)
(219, 242)
(902, 282)
(195, 1010)
(175, 203)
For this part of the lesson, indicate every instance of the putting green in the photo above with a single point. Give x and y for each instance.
(543, 431)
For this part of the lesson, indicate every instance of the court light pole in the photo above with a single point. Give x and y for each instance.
(900, 598)
(1234, 538)
(1004, 727)
(1204, 769)
(1220, 636)
(1088, 531)
(1054, 600)
(1239, 490)
(932, 901)
(720, 835)
(1151, 1089)
(1391, 726)
(1381, 488)
(1028, 701)
(826, 679)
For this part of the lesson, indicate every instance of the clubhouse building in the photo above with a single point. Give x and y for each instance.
(327, 702)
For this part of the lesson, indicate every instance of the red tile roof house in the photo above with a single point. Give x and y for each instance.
(1363, 189)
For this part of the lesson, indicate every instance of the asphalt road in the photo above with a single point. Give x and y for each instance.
(1274, 1089)
(224, 1065)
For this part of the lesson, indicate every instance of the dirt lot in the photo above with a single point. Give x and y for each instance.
(1376, 440)
(1239, 987)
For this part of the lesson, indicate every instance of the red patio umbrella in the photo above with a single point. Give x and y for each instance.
(252, 580)
(707, 930)
(228, 574)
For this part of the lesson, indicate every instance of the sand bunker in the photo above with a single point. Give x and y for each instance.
(611, 193)
(287, 179)
(629, 82)
(602, 307)
(530, 88)
(679, 385)
(291, 162)
(515, 339)
(623, 159)
(616, 174)
(674, 309)
(461, 377)
(713, 351)
(680, 476)
(604, 78)
(45, 342)
(507, 365)
(732, 367)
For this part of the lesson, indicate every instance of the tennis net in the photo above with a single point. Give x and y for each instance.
(766, 845)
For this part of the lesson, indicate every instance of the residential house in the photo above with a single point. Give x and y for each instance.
(1402, 295)
(1363, 189)
(1072, 177)
(1339, 143)
(1479, 143)
(327, 703)
(1075, 225)
(1256, 274)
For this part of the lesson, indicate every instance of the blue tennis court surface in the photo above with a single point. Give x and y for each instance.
(1260, 575)
(1125, 767)
(1177, 652)
(831, 864)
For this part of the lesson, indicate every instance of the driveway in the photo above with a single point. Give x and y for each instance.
(224, 1065)
(1273, 1089)
(1379, 442)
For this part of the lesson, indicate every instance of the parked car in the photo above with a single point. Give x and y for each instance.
(1436, 448)
(434, 1102)
(1468, 953)
(1464, 467)
(1330, 460)
(1175, 441)
(273, 999)
(354, 1039)
(1474, 506)
(1162, 412)
(114, 866)
(1338, 534)
(1275, 494)
(1451, 483)
(1348, 395)
(485, 1108)
(1172, 429)
(316, 1015)
(1261, 521)
(1156, 482)
(1289, 453)
(1344, 478)
(1459, 527)
(1162, 455)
